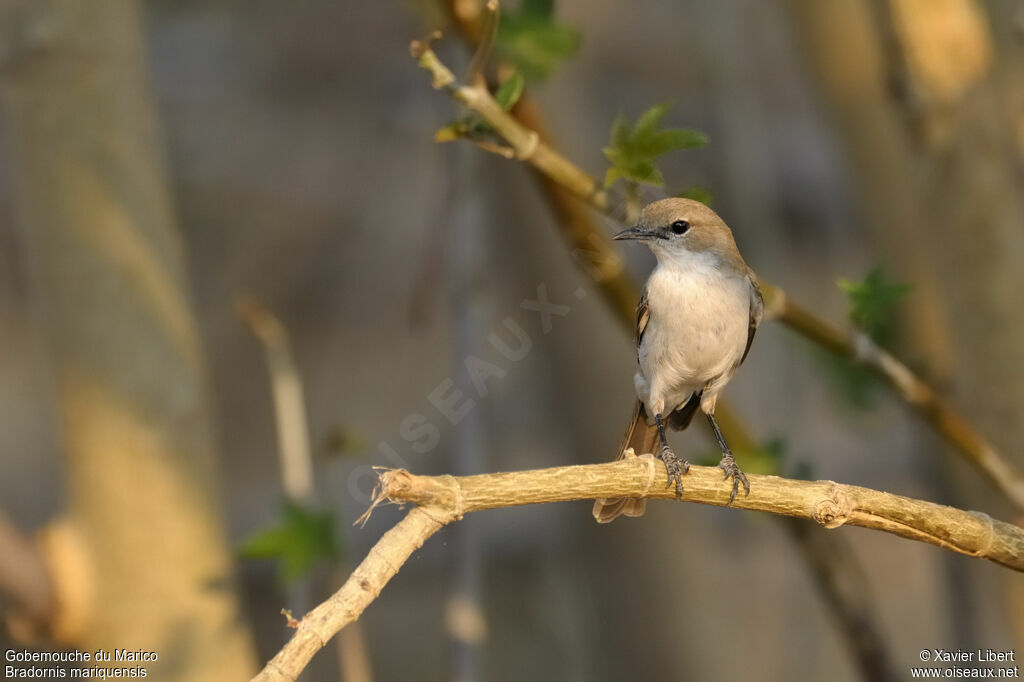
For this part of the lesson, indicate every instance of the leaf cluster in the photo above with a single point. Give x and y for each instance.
(872, 301)
(533, 41)
(634, 149)
(302, 538)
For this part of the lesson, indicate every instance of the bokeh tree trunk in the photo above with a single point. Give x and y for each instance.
(140, 560)
(926, 101)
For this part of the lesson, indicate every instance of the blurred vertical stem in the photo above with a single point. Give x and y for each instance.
(141, 559)
(297, 465)
(465, 622)
(925, 102)
(289, 403)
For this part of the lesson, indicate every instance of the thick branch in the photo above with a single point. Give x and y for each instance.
(827, 503)
(443, 499)
(609, 273)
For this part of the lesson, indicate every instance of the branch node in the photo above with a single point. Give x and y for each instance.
(458, 500)
(527, 150)
(390, 483)
(418, 48)
(649, 466)
(864, 348)
(990, 537)
(834, 509)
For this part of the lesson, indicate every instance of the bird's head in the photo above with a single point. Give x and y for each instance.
(678, 228)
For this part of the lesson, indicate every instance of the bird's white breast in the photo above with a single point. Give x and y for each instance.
(699, 318)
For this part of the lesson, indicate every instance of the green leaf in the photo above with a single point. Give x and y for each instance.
(765, 459)
(633, 150)
(509, 91)
(665, 141)
(468, 125)
(649, 120)
(533, 41)
(455, 130)
(540, 8)
(301, 539)
(701, 194)
(872, 301)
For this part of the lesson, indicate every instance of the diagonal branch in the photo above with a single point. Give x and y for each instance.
(344, 606)
(443, 499)
(609, 272)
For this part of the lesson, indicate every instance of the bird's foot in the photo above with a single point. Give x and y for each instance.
(728, 465)
(676, 468)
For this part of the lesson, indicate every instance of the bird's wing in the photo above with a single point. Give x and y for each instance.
(643, 316)
(756, 310)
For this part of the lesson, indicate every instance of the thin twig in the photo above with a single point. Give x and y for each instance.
(915, 391)
(489, 34)
(443, 499)
(529, 147)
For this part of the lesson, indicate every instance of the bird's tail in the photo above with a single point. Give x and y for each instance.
(642, 438)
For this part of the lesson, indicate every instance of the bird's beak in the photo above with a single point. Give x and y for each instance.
(637, 233)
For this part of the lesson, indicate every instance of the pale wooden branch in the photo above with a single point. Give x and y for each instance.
(443, 499)
(608, 271)
(362, 587)
(825, 502)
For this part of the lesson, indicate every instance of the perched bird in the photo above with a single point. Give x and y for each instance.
(694, 326)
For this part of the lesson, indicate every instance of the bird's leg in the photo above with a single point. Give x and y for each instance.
(676, 467)
(728, 464)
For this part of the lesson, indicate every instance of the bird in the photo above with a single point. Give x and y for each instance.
(695, 322)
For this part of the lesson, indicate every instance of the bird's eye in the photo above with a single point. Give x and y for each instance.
(680, 226)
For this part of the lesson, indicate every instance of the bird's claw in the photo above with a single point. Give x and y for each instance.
(676, 469)
(728, 465)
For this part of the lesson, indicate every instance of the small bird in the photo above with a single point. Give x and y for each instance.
(694, 326)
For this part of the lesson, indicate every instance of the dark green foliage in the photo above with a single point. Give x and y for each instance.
(871, 306)
(701, 194)
(872, 301)
(766, 458)
(634, 149)
(858, 386)
(533, 41)
(303, 537)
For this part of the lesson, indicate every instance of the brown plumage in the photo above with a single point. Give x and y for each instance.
(694, 326)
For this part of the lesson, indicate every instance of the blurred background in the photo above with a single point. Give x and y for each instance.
(163, 162)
